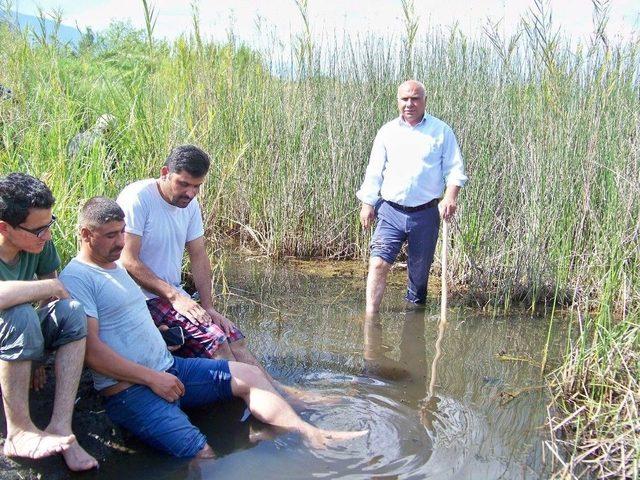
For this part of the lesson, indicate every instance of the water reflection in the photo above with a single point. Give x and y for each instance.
(471, 435)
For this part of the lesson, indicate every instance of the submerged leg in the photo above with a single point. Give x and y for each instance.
(269, 407)
(376, 283)
(242, 354)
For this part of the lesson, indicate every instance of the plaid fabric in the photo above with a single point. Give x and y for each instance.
(199, 340)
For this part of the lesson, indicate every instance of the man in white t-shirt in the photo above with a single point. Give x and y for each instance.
(163, 218)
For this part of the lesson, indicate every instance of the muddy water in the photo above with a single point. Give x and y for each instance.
(434, 397)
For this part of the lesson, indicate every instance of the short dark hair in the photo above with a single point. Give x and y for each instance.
(99, 211)
(189, 158)
(18, 193)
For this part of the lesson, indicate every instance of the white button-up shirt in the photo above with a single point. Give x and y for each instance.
(409, 165)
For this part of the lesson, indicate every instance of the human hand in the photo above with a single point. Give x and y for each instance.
(191, 310)
(166, 386)
(223, 322)
(38, 378)
(367, 215)
(447, 208)
(58, 291)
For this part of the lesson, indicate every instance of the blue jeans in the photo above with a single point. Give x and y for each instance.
(163, 424)
(420, 231)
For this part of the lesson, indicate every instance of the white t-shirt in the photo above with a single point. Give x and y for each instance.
(165, 229)
(113, 298)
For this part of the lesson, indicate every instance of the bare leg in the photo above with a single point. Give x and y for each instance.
(23, 438)
(376, 363)
(269, 407)
(376, 283)
(372, 337)
(69, 360)
(242, 354)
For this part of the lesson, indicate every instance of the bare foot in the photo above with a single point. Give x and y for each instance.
(321, 439)
(36, 444)
(77, 458)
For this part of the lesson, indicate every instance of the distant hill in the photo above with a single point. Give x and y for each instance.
(66, 34)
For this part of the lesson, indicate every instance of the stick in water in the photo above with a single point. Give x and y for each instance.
(445, 243)
(443, 309)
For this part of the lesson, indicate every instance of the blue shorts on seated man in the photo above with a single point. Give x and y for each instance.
(163, 424)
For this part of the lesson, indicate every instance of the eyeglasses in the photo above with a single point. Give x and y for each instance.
(39, 231)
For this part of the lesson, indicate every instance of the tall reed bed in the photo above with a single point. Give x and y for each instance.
(551, 136)
(551, 139)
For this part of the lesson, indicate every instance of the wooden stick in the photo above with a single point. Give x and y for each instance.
(443, 310)
(445, 244)
(436, 357)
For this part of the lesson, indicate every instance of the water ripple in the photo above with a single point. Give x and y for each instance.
(397, 443)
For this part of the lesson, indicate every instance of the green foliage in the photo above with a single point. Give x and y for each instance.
(550, 138)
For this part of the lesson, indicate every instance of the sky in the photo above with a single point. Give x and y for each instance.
(330, 17)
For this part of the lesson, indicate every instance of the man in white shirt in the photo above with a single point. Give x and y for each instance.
(163, 218)
(412, 157)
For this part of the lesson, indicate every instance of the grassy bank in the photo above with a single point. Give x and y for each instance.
(551, 136)
(594, 414)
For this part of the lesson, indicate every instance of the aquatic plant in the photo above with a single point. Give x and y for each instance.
(594, 420)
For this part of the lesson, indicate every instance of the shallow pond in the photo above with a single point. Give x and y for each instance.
(435, 398)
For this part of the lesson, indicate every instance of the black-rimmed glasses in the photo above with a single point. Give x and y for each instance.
(39, 231)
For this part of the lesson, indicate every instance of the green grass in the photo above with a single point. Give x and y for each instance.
(550, 134)
(552, 151)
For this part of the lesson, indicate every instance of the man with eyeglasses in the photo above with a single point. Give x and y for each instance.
(28, 265)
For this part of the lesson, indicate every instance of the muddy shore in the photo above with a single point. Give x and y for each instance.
(94, 430)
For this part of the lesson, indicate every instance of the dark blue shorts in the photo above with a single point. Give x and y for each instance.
(420, 231)
(162, 424)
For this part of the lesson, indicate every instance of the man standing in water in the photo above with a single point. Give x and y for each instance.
(162, 219)
(412, 157)
(28, 264)
(144, 385)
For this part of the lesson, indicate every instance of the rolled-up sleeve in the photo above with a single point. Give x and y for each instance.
(452, 163)
(369, 192)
